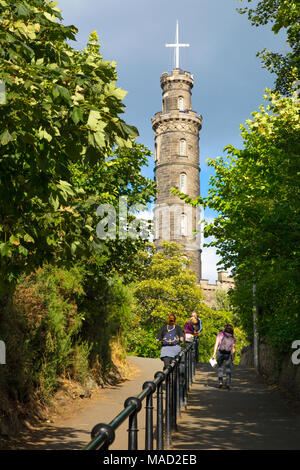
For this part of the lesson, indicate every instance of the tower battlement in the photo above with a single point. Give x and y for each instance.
(177, 74)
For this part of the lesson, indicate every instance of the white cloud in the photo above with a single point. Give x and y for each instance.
(210, 258)
(209, 264)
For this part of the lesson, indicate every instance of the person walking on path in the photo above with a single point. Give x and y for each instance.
(225, 350)
(170, 335)
(192, 327)
(192, 330)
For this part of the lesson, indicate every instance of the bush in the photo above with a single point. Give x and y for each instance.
(142, 343)
(106, 307)
(40, 327)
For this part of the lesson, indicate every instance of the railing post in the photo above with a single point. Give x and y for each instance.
(196, 350)
(191, 365)
(133, 429)
(178, 361)
(183, 379)
(159, 412)
(149, 415)
(187, 381)
(168, 405)
(174, 395)
(193, 359)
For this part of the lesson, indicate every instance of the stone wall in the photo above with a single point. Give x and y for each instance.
(278, 370)
(224, 282)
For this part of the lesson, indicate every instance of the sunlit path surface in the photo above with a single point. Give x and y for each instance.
(249, 416)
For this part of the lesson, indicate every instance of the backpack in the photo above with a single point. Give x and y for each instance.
(171, 338)
(226, 343)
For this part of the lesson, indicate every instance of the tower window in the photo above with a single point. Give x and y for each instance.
(182, 147)
(183, 225)
(180, 103)
(183, 182)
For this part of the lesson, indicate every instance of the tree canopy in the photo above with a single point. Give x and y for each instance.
(167, 286)
(283, 15)
(64, 152)
(60, 119)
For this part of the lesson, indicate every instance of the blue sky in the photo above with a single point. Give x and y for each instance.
(229, 79)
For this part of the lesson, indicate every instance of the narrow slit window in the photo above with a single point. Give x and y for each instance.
(183, 225)
(183, 182)
(182, 147)
(180, 103)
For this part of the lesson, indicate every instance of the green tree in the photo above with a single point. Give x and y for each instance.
(64, 150)
(283, 15)
(166, 287)
(221, 300)
(120, 184)
(62, 107)
(255, 191)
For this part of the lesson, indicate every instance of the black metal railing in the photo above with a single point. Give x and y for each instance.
(171, 386)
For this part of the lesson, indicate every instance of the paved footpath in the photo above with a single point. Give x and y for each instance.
(74, 433)
(249, 416)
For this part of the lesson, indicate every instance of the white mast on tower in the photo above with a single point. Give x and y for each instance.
(176, 46)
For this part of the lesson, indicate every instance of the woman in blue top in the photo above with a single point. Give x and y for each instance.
(170, 335)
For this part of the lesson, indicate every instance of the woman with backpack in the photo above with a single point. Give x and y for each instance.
(170, 335)
(192, 329)
(225, 349)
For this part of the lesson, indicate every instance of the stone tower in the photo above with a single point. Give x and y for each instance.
(176, 130)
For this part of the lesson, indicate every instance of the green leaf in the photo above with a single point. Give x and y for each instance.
(61, 91)
(130, 131)
(99, 139)
(74, 247)
(77, 115)
(43, 134)
(6, 137)
(28, 238)
(50, 17)
(14, 240)
(22, 10)
(23, 250)
(66, 187)
(93, 119)
(54, 202)
(5, 249)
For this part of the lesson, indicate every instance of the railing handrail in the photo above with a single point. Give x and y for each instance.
(103, 434)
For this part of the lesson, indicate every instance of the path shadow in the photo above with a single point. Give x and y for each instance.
(48, 438)
(249, 416)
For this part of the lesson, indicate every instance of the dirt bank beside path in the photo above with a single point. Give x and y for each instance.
(251, 416)
(73, 432)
